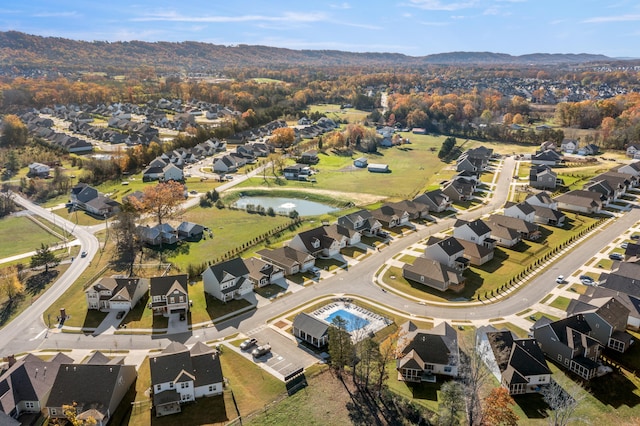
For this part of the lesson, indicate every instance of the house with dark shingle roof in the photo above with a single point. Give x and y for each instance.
(169, 295)
(26, 383)
(391, 216)
(522, 211)
(320, 241)
(522, 365)
(448, 251)
(261, 272)
(116, 293)
(289, 259)
(425, 353)
(361, 221)
(436, 200)
(548, 157)
(526, 229)
(227, 280)
(180, 375)
(434, 274)
(96, 390)
(311, 329)
(580, 201)
(543, 177)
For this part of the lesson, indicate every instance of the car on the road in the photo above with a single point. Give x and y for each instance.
(248, 343)
(586, 280)
(560, 279)
(228, 177)
(120, 314)
(616, 256)
(83, 254)
(261, 350)
(193, 192)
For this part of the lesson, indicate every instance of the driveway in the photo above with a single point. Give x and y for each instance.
(109, 324)
(176, 326)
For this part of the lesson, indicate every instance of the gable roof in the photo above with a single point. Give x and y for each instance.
(450, 245)
(235, 267)
(311, 325)
(163, 285)
(436, 346)
(478, 226)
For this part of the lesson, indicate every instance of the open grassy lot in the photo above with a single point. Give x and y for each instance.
(31, 236)
(334, 112)
(231, 229)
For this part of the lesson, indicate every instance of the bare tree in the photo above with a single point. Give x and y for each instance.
(562, 403)
(474, 375)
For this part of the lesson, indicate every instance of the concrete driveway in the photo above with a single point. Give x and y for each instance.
(176, 326)
(109, 324)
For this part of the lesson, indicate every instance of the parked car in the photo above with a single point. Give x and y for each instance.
(560, 279)
(586, 280)
(635, 237)
(624, 245)
(616, 256)
(261, 350)
(248, 343)
(120, 314)
(315, 270)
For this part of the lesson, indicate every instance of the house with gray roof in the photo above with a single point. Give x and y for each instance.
(289, 259)
(361, 221)
(169, 295)
(311, 329)
(448, 251)
(391, 216)
(227, 280)
(116, 293)
(39, 170)
(261, 272)
(436, 200)
(543, 177)
(548, 157)
(180, 375)
(526, 229)
(426, 353)
(520, 362)
(325, 241)
(522, 211)
(96, 390)
(25, 386)
(580, 201)
(434, 274)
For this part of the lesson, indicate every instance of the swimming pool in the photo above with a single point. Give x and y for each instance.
(353, 322)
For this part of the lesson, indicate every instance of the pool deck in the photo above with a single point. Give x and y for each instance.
(375, 322)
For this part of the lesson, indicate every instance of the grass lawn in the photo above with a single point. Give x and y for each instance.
(78, 217)
(31, 236)
(206, 307)
(423, 394)
(334, 112)
(231, 229)
(560, 303)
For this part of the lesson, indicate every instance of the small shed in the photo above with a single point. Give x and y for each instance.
(360, 162)
(378, 168)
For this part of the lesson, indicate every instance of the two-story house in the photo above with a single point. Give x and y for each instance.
(522, 211)
(436, 200)
(543, 177)
(116, 293)
(169, 295)
(475, 237)
(580, 201)
(180, 375)
(318, 243)
(448, 251)
(262, 273)
(227, 280)
(426, 353)
(361, 221)
(390, 216)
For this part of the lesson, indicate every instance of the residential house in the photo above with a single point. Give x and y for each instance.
(631, 168)
(602, 187)
(39, 170)
(102, 206)
(296, 172)
(227, 280)
(361, 162)
(434, 274)
(262, 273)
(633, 151)
(116, 293)
(415, 209)
(523, 368)
(569, 344)
(548, 157)
(522, 211)
(180, 375)
(580, 201)
(25, 386)
(504, 236)
(526, 229)
(608, 318)
(309, 157)
(311, 329)
(425, 353)
(476, 231)
(547, 144)
(390, 216)
(361, 221)
(317, 242)
(589, 149)
(226, 164)
(81, 194)
(95, 390)
(596, 296)
(289, 259)
(435, 200)
(155, 170)
(542, 199)
(190, 231)
(448, 251)
(459, 189)
(546, 216)
(569, 146)
(172, 172)
(467, 164)
(169, 295)
(477, 254)
(625, 180)
(162, 233)
(543, 177)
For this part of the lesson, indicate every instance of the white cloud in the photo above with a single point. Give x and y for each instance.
(441, 5)
(285, 17)
(619, 18)
(56, 14)
(434, 24)
(340, 6)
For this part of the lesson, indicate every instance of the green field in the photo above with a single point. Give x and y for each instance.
(31, 236)
(334, 112)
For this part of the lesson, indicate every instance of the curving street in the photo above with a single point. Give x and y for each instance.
(28, 333)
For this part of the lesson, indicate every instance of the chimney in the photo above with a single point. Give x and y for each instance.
(11, 359)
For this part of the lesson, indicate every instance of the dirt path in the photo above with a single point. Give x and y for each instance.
(359, 199)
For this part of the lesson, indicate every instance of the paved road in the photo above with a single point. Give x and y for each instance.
(358, 280)
(29, 323)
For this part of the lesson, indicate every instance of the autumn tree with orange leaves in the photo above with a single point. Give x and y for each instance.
(497, 409)
(162, 201)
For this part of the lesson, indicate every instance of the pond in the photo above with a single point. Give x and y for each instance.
(284, 206)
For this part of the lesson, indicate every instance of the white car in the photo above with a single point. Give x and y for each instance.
(560, 279)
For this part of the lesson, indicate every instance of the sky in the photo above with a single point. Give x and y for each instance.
(412, 27)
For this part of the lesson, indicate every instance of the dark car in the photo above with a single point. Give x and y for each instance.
(635, 237)
(83, 254)
(616, 256)
(120, 314)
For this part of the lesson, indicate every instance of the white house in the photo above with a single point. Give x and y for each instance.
(116, 293)
(227, 280)
(447, 251)
(522, 211)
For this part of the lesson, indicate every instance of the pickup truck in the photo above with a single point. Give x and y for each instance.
(261, 350)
